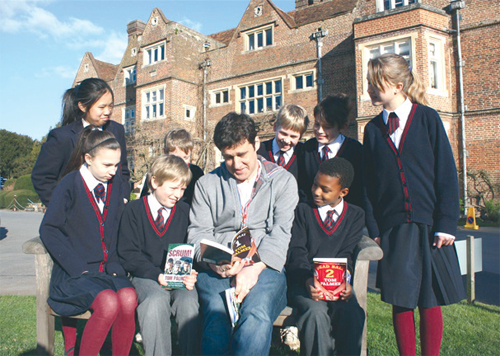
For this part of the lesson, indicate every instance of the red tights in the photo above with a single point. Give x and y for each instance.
(109, 309)
(431, 330)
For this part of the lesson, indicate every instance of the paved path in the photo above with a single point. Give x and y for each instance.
(17, 270)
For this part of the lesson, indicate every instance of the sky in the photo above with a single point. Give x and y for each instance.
(42, 43)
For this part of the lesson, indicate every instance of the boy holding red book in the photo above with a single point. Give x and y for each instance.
(327, 227)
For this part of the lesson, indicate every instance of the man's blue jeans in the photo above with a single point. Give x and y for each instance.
(252, 335)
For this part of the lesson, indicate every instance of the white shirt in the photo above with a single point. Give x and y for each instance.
(154, 205)
(403, 112)
(276, 150)
(333, 146)
(245, 188)
(339, 208)
(85, 124)
(91, 183)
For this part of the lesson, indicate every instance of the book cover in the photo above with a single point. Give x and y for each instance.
(243, 249)
(178, 263)
(233, 306)
(330, 273)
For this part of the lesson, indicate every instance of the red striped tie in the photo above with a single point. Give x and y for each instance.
(392, 123)
(99, 193)
(281, 159)
(326, 151)
(329, 221)
(160, 221)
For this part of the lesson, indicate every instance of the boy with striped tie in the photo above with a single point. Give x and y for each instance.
(147, 227)
(327, 227)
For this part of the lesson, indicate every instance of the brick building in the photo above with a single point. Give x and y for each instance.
(172, 76)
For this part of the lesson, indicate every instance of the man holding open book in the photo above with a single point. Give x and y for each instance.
(245, 191)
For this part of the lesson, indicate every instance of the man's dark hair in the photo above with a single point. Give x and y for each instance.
(334, 109)
(340, 168)
(233, 129)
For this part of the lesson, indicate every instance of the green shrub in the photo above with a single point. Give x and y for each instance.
(22, 197)
(9, 183)
(133, 196)
(24, 182)
(492, 210)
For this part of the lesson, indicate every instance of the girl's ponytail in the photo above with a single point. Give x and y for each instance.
(86, 93)
(394, 69)
(90, 141)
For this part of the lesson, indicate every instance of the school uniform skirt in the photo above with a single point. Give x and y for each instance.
(414, 273)
(72, 296)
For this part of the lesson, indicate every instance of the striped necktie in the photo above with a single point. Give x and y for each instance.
(160, 221)
(281, 159)
(329, 220)
(99, 193)
(392, 123)
(326, 151)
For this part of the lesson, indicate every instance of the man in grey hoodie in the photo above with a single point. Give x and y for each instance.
(245, 190)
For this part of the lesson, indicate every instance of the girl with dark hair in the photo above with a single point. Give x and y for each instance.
(80, 231)
(89, 103)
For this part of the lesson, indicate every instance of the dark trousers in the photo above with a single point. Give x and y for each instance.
(327, 326)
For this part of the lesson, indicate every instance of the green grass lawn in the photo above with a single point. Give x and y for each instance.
(468, 329)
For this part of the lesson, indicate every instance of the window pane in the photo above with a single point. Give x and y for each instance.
(162, 53)
(388, 49)
(251, 42)
(251, 91)
(398, 3)
(260, 104)
(278, 102)
(387, 4)
(161, 94)
(153, 96)
(242, 107)
(251, 108)
(243, 93)
(260, 89)
(433, 75)
(147, 97)
(269, 87)
(132, 113)
(309, 80)
(260, 39)
(155, 54)
(149, 57)
(226, 96)
(217, 98)
(374, 52)
(147, 112)
(269, 104)
(298, 82)
(404, 49)
(269, 37)
(188, 113)
(154, 110)
(277, 86)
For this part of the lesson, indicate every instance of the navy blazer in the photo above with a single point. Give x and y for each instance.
(78, 237)
(56, 152)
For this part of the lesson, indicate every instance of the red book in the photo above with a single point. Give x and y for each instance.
(331, 274)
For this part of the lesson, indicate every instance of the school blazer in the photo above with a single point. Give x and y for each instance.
(56, 152)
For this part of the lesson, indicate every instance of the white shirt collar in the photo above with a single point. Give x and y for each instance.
(339, 208)
(276, 150)
(403, 111)
(334, 146)
(89, 179)
(154, 205)
(85, 124)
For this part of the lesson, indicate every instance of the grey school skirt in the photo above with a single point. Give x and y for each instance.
(414, 273)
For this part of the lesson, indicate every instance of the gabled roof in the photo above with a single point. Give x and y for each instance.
(289, 20)
(223, 36)
(322, 11)
(106, 71)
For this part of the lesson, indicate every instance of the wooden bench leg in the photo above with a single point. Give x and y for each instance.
(45, 322)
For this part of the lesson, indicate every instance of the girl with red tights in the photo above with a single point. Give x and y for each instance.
(412, 203)
(79, 230)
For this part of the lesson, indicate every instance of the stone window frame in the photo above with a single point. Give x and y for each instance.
(260, 96)
(128, 115)
(153, 106)
(367, 51)
(154, 53)
(384, 5)
(436, 63)
(192, 112)
(252, 37)
(219, 93)
(303, 75)
(129, 75)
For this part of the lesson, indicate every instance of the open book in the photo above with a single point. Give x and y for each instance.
(242, 249)
(331, 274)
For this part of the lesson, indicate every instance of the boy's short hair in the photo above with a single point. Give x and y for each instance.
(292, 117)
(169, 168)
(178, 138)
(334, 109)
(234, 129)
(340, 168)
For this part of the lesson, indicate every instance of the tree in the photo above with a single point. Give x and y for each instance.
(13, 149)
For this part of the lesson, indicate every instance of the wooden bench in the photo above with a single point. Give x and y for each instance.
(365, 251)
